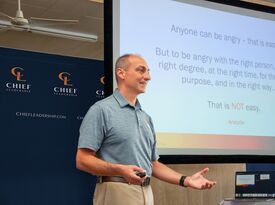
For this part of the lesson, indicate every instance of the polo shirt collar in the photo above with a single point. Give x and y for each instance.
(122, 101)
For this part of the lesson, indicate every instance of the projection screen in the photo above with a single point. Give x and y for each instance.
(212, 65)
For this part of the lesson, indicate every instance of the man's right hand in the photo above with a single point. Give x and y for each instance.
(129, 173)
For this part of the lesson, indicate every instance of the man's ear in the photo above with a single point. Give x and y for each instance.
(120, 73)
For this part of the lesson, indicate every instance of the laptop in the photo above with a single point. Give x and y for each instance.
(255, 184)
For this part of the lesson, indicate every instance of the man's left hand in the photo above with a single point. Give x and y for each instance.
(198, 181)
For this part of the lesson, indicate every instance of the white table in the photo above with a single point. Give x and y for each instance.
(248, 202)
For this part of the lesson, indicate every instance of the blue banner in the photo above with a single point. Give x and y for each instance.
(43, 101)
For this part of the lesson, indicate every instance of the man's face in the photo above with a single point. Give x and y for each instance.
(136, 75)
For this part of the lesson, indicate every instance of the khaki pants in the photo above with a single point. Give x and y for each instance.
(115, 193)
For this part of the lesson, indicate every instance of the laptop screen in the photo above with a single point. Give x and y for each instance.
(255, 184)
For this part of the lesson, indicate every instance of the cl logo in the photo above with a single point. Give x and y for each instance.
(102, 80)
(17, 72)
(64, 76)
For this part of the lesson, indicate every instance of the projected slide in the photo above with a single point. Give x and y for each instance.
(213, 74)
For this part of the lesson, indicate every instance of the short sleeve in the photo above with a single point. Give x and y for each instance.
(155, 155)
(91, 132)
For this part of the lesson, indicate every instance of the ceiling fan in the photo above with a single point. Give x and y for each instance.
(19, 22)
(19, 19)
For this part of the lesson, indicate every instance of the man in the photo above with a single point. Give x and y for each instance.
(117, 143)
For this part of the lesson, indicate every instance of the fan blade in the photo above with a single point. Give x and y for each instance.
(5, 29)
(6, 15)
(63, 34)
(54, 20)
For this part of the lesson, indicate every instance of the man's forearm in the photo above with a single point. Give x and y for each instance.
(88, 162)
(165, 173)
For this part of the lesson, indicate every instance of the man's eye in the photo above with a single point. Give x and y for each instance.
(141, 70)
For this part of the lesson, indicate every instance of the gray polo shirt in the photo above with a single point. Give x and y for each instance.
(119, 133)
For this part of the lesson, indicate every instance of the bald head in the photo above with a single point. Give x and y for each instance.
(123, 61)
(132, 74)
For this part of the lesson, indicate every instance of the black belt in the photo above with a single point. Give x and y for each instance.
(102, 179)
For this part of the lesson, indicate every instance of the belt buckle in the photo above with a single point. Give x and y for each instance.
(99, 179)
(146, 182)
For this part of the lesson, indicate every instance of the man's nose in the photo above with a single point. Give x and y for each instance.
(147, 76)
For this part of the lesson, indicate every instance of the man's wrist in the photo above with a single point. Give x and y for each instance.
(182, 181)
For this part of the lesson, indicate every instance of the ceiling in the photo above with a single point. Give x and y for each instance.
(88, 12)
